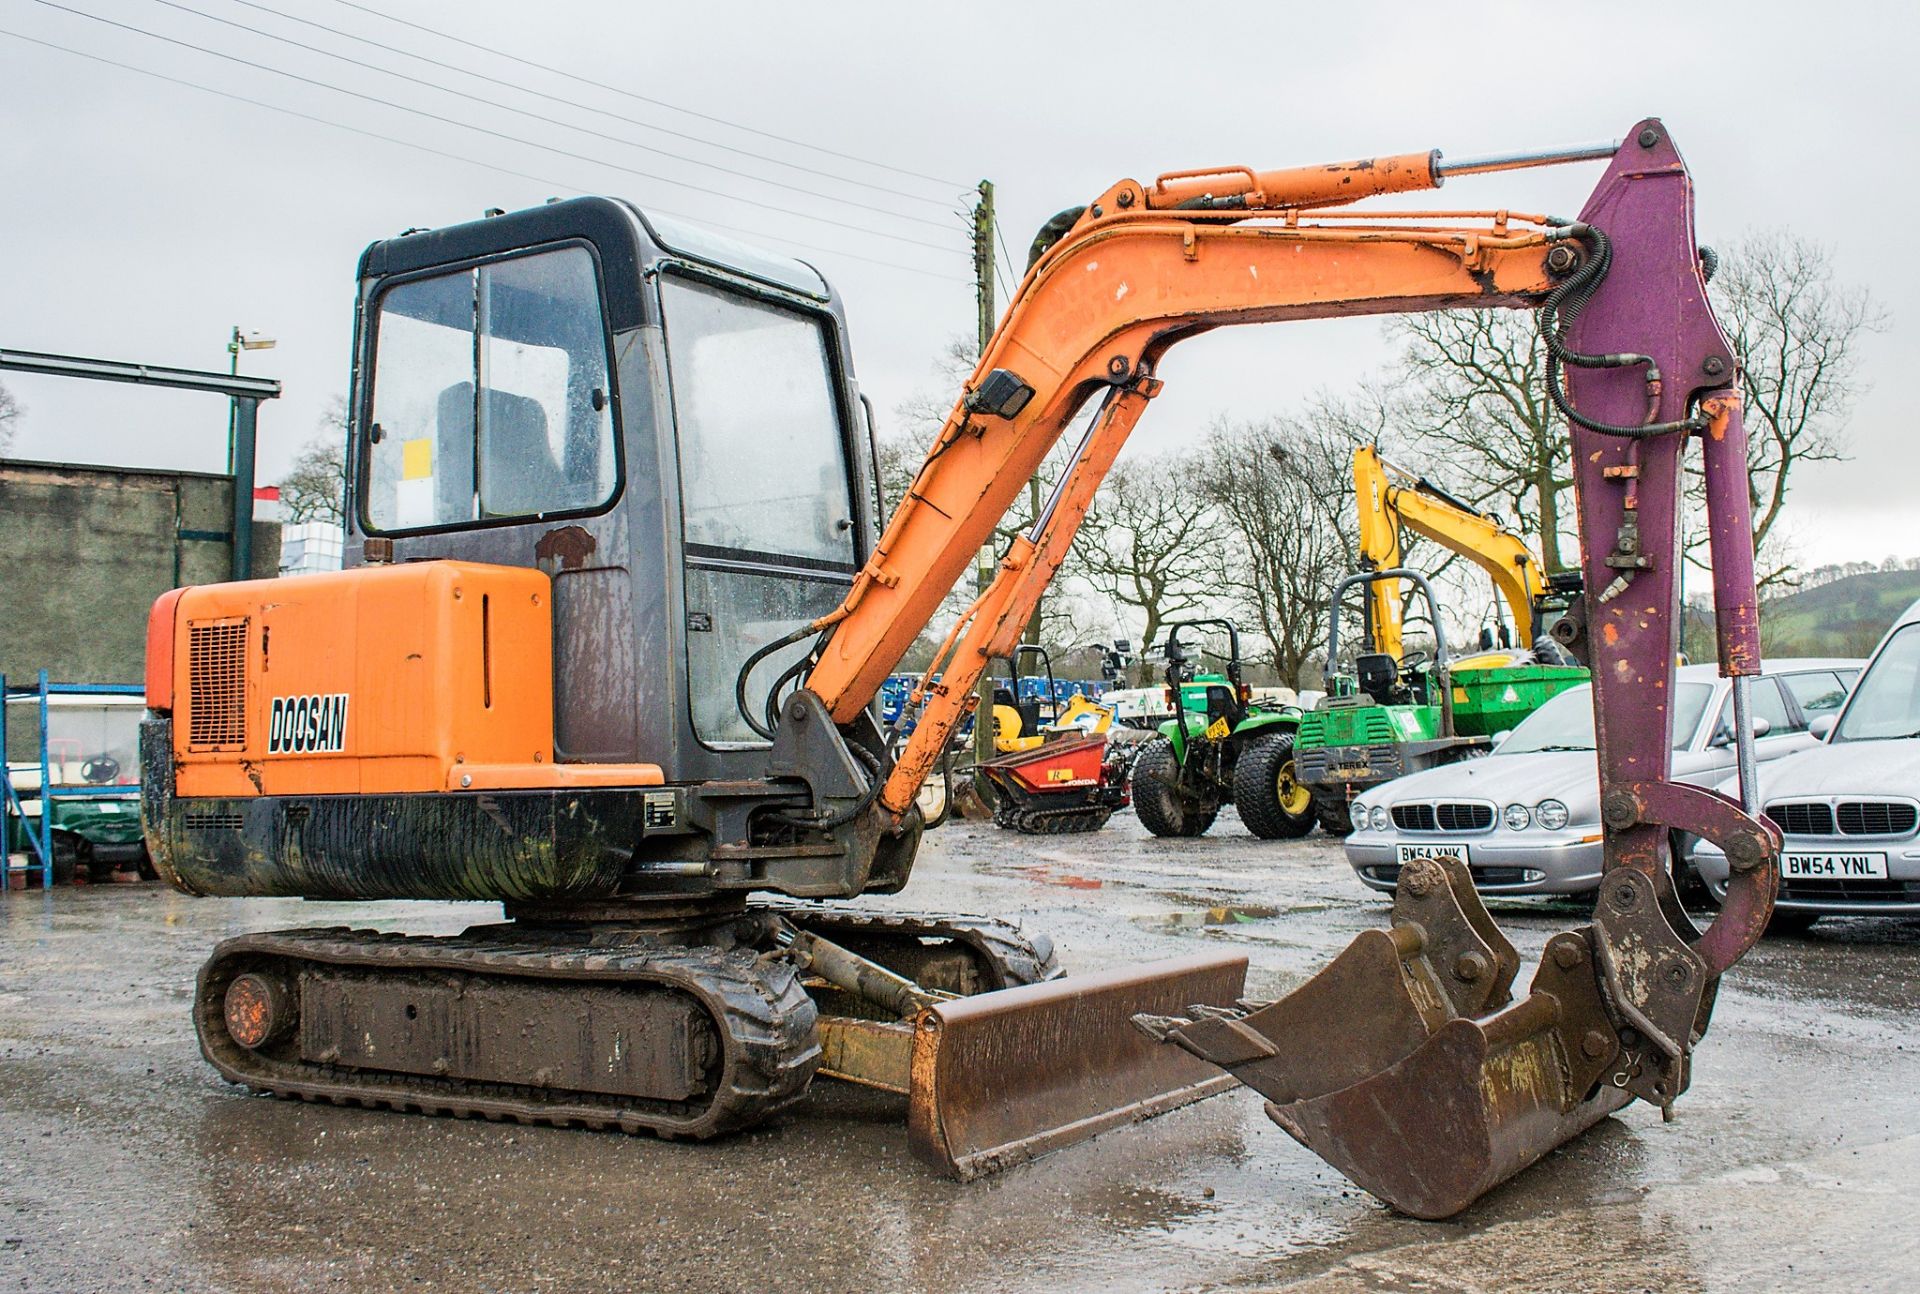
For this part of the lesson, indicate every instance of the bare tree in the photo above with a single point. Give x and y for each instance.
(1798, 333)
(314, 489)
(1476, 400)
(1283, 488)
(10, 411)
(1149, 542)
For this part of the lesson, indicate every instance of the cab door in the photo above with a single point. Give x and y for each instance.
(767, 495)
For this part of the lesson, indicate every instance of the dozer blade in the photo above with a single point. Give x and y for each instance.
(1001, 1077)
(1406, 1065)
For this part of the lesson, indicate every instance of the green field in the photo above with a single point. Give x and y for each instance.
(1844, 618)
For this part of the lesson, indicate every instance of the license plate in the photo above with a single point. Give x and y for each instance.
(1411, 853)
(1833, 867)
(1218, 730)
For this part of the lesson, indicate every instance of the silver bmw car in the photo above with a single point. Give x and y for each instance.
(1526, 818)
(1849, 808)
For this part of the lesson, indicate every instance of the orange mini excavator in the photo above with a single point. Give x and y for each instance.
(619, 613)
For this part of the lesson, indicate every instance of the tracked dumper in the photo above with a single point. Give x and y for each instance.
(620, 606)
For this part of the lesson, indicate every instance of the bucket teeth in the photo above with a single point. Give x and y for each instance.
(1159, 1027)
(1201, 1011)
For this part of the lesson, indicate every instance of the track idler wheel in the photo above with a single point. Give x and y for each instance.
(260, 1009)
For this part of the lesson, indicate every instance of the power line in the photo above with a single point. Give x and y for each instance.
(484, 130)
(459, 157)
(658, 103)
(534, 116)
(1006, 256)
(585, 107)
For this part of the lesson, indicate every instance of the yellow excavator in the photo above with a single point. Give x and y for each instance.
(619, 609)
(1390, 499)
(1401, 712)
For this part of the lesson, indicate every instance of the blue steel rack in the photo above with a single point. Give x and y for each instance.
(41, 842)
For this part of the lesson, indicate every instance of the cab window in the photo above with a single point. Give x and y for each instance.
(491, 397)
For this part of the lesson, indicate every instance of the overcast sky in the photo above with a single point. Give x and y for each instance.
(143, 219)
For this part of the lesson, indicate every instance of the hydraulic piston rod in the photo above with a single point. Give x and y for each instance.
(1491, 162)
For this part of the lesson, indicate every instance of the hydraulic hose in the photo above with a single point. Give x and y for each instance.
(765, 731)
(1558, 313)
(1052, 232)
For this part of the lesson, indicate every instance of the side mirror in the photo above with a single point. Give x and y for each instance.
(1822, 728)
(1723, 735)
(1502, 735)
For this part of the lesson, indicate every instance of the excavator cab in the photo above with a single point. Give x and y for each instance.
(599, 461)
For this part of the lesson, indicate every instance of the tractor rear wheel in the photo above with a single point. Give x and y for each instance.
(1273, 802)
(1164, 806)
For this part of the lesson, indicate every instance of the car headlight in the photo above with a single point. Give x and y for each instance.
(1378, 817)
(1518, 817)
(1358, 812)
(1551, 813)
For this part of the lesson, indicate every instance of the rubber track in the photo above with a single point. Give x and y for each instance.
(1062, 822)
(764, 1017)
(1072, 821)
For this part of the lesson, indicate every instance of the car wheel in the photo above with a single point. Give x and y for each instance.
(1163, 806)
(1335, 818)
(1273, 803)
(67, 858)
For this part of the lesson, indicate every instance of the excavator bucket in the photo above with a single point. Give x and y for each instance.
(1407, 1065)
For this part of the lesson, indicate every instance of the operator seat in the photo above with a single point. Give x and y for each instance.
(1378, 675)
(517, 472)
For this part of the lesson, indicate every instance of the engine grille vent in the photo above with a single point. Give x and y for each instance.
(1464, 817)
(217, 685)
(1876, 818)
(1413, 817)
(1803, 819)
(1443, 817)
(1849, 818)
(213, 821)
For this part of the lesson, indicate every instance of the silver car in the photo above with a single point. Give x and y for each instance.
(1850, 808)
(1526, 818)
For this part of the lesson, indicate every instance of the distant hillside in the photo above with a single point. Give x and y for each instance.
(1844, 618)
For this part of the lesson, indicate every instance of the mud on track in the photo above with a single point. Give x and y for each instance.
(125, 1163)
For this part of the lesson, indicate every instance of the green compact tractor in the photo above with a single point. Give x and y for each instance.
(1221, 746)
(1396, 716)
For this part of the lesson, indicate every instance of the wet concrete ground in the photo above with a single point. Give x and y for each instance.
(126, 1163)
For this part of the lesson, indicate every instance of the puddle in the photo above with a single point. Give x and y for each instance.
(1045, 874)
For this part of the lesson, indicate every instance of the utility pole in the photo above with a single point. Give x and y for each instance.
(985, 318)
